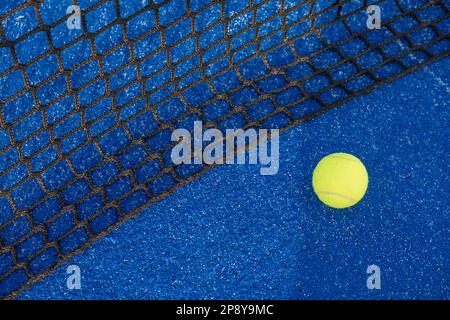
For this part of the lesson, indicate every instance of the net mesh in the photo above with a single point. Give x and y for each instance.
(86, 115)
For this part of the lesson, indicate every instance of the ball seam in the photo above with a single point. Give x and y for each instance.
(338, 195)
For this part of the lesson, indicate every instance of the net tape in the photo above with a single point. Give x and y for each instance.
(86, 115)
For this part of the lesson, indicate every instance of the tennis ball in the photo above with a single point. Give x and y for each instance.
(340, 180)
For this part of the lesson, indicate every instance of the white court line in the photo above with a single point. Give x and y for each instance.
(437, 78)
(434, 76)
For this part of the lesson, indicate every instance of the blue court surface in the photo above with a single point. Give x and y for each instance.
(91, 91)
(236, 234)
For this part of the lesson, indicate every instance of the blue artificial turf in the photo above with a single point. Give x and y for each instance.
(79, 145)
(236, 234)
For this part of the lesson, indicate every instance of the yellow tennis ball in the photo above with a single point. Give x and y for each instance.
(340, 180)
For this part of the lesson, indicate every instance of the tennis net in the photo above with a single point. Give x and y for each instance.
(87, 114)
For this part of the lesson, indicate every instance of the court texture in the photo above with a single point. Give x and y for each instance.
(86, 177)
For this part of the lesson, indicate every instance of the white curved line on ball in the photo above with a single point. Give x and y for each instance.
(337, 195)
